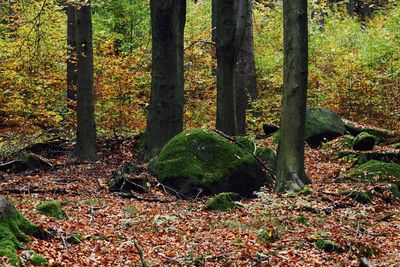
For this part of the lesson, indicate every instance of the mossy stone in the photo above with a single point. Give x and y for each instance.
(346, 141)
(374, 170)
(222, 202)
(364, 141)
(51, 208)
(38, 260)
(322, 125)
(14, 230)
(328, 245)
(396, 146)
(265, 154)
(200, 159)
(75, 238)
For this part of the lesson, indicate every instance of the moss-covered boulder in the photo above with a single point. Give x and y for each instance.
(127, 178)
(199, 159)
(222, 202)
(322, 125)
(51, 208)
(14, 230)
(364, 141)
(361, 157)
(374, 170)
(265, 154)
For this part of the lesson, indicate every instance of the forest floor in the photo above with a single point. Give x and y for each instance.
(268, 230)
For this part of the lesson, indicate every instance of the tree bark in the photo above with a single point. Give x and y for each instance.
(290, 168)
(71, 55)
(245, 70)
(229, 36)
(165, 118)
(86, 130)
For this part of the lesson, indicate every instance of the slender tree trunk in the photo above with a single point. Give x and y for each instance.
(229, 36)
(71, 55)
(86, 132)
(290, 169)
(245, 71)
(165, 118)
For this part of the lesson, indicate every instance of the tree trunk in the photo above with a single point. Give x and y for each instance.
(245, 71)
(165, 118)
(290, 168)
(86, 132)
(229, 35)
(71, 55)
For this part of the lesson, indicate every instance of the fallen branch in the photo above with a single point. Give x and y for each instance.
(132, 195)
(141, 254)
(199, 41)
(263, 165)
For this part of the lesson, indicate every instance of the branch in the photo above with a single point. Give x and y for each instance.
(199, 41)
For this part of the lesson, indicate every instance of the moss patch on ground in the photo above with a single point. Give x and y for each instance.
(51, 208)
(203, 159)
(14, 230)
(222, 202)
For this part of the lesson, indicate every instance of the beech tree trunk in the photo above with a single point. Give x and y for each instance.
(245, 70)
(224, 36)
(165, 118)
(86, 130)
(290, 167)
(71, 55)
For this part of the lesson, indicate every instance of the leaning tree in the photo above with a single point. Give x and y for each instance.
(290, 167)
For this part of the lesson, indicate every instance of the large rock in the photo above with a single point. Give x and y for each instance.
(374, 170)
(322, 125)
(14, 230)
(204, 160)
(361, 157)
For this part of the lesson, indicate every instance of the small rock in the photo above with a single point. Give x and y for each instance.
(364, 141)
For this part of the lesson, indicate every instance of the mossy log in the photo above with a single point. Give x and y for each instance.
(14, 230)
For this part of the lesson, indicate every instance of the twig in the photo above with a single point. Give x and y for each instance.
(141, 254)
(131, 194)
(199, 41)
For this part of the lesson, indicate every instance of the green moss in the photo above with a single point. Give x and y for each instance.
(395, 189)
(305, 191)
(364, 141)
(328, 245)
(276, 137)
(51, 208)
(38, 260)
(203, 159)
(396, 146)
(322, 125)
(374, 170)
(267, 155)
(14, 230)
(267, 235)
(222, 202)
(75, 238)
(346, 141)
